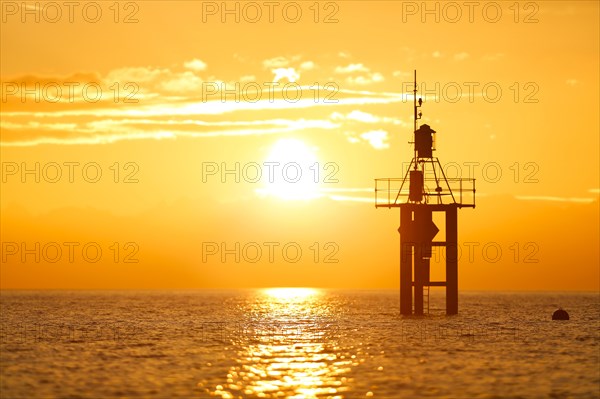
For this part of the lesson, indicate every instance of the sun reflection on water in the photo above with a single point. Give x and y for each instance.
(291, 294)
(290, 353)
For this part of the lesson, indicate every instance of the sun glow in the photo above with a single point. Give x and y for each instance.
(296, 171)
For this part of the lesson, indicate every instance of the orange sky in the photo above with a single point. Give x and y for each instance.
(518, 96)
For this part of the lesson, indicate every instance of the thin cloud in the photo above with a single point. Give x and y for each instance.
(137, 75)
(352, 199)
(492, 57)
(111, 124)
(357, 115)
(351, 68)
(195, 65)
(401, 74)
(376, 138)
(328, 193)
(347, 190)
(279, 62)
(365, 117)
(174, 105)
(461, 56)
(365, 79)
(554, 199)
(361, 75)
(128, 134)
(307, 65)
(285, 73)
(181, 83)
(216, 107)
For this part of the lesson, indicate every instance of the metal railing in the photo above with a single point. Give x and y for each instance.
(392, 192)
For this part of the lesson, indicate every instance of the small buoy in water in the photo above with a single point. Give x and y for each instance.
(560, 314)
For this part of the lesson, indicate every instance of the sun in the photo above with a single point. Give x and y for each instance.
(293, 171)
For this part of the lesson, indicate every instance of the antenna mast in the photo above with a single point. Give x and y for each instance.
(415, 121)
(416, 117)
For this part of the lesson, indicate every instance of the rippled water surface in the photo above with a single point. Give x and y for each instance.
(295, 343)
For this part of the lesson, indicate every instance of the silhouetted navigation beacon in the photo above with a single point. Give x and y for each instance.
(428, 191)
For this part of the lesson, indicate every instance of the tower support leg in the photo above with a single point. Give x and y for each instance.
(419, 277)
(451, 261)
(406, 249)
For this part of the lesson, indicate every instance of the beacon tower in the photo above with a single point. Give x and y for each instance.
(422, 191)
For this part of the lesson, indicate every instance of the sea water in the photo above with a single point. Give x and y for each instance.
(295, 344)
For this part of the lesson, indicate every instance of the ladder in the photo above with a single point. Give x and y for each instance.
(426, 290)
